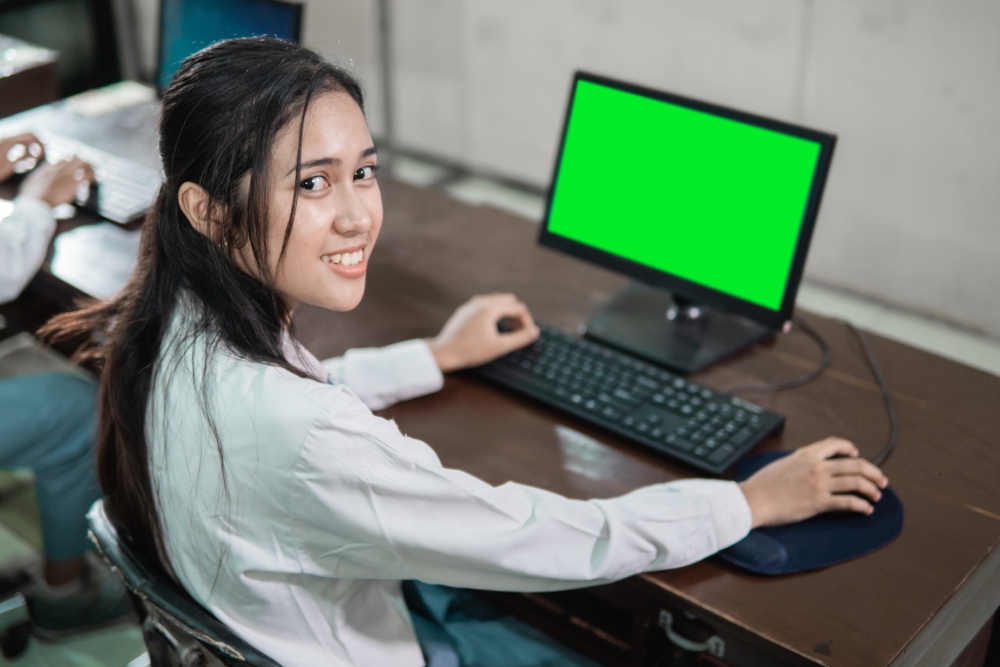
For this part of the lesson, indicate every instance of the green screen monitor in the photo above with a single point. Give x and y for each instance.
(710, 209)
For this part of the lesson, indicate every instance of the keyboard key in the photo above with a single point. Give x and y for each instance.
(722, 454)
(679, 443)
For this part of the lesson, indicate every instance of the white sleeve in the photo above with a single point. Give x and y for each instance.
(371, 503)
(386, 375)
(24, 240)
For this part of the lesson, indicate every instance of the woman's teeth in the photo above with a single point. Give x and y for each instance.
(345, 259)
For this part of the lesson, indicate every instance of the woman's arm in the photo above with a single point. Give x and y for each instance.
(369, 502)
(24, 239)
(383, 376)
(372, 503)
(26, 232)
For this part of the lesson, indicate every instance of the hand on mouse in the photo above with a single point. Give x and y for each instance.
(817, 478)
(471, 336)
(58, 183)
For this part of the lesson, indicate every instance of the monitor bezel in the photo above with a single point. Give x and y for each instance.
(297, 7)
(774, 319)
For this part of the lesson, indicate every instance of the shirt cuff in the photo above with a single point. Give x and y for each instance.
(36, 209)
(386, 375)
(415, 368)
(730, 512)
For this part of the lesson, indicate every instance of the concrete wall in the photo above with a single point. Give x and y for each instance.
(911, 87)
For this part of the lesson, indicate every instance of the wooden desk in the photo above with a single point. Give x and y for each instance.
(918, 601)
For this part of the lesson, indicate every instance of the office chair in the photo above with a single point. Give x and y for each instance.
(15, 625)
(177, 630)
(15, 628)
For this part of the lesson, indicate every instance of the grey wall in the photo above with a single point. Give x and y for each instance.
(911, 87)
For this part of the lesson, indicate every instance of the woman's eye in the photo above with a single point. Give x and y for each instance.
(366, 173)
(314, 183)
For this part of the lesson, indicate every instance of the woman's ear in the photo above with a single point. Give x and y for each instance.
(194, 202)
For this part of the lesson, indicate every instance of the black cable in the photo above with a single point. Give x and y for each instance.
(886, 395)
(799, 381)
(824, 363)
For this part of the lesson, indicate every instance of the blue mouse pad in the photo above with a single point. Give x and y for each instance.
(817, 542)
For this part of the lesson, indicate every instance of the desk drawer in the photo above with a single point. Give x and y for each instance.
(622, 625)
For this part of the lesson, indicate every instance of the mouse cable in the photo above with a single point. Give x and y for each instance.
(799, 381)
(890, 408)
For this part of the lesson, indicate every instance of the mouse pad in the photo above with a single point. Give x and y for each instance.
(822, 540)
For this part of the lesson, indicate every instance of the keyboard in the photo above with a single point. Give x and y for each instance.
(125, 190)
(646, 404)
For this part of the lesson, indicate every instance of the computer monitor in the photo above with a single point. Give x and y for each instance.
(84, 32)
(710, 209)
(187, 26)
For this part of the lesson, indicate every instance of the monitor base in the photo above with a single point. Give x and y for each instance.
(636, 321)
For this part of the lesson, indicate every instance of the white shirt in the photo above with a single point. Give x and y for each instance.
(325, 507)
(24, 240)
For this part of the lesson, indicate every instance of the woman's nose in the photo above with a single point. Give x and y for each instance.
(352, 215)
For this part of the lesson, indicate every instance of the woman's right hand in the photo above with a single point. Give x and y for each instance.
(58, 183)
(471, 335)
(817, 478)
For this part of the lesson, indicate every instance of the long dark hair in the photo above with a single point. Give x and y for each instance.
(221, 115)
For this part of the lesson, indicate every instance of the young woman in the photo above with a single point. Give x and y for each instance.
(259, 476)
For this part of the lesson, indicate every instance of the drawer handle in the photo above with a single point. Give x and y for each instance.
(691, 634)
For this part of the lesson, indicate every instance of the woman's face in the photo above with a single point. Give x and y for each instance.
(339, 210)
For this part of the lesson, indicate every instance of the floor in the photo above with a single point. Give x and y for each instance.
(122, 646)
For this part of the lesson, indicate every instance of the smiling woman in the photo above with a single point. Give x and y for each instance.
(331, 188)
(259, 477)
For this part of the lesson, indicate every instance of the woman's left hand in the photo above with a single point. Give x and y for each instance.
(472, 335)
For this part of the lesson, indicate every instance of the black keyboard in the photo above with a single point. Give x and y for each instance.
(125, 189)
(645, 403)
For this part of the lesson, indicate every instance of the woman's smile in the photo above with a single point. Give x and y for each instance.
(349, 263)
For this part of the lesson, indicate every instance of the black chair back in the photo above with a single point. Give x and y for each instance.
(177, 629)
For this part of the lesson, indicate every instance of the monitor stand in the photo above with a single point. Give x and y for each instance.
(672, 332)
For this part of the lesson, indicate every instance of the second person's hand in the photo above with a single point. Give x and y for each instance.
(19, 154)
(58, 183)
(471, 336)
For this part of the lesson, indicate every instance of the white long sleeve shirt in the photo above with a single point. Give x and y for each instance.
(325, 507)
(24, 239)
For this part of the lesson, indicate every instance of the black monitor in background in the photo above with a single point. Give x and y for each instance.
(710, 209)
(82, 31)
(187, 26)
